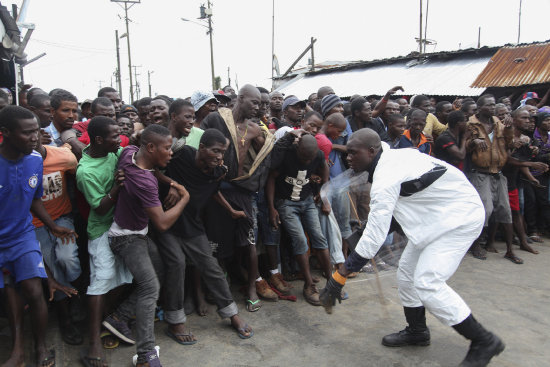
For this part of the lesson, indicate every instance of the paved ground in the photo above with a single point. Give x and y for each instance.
(511, 300)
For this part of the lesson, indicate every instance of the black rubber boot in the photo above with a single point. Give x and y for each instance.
(417, 333)
(485, 345)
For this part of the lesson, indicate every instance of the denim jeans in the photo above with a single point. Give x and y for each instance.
(134, 252)
(174, 251)
(268, 235)
(298, 217)
(62, 259)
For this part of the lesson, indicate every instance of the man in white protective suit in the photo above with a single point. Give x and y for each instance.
(441, 214)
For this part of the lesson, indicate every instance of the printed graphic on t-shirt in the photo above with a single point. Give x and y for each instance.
(297, 183)
(53, 186)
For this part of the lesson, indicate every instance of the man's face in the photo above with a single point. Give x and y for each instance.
(442, 115)
(264, 105)
(365, 114)
(545, 124)
(522, 120)
(359, 156)
(312, 99)
(107, 111)
(507, 102)
(144, 114)
(158, 112)
(488, 108)
(339, 108)
(276, 101)
(229, 90)
(65, 115)
(126, 126)
(403, 104)
(472, 110)
(294, 114)
(392, 108)
(133, 116)
(418, 122)
(161, 151)
(334, 131)
(44, 113)
(208, 107)
(111, 142)
(426, 106)
(211, 157)
(312, 125)
(24, 138)
(87, 110)
(183, 122)
(397, 127)
(502, 113)
(250, 104)
(115, 98)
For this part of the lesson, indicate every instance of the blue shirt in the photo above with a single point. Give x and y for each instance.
(20, 183)
(336, 161)
(56, 136)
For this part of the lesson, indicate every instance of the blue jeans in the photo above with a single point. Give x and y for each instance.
(62, 259)
(298, 217)
(268, 235)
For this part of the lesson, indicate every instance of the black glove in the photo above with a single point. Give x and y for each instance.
(331, 293)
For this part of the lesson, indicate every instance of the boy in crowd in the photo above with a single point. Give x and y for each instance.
(126, 125)
(20, 191)
(450, 146)
(201, 172)
(414, 137)
(290, 201)
(396, 128)
(182, 120)
(100, 182)
(138, 203)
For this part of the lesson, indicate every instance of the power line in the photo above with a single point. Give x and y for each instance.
(73, 47)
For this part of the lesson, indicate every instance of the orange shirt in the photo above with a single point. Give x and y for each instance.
(59, 160)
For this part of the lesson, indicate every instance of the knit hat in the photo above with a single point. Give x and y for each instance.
(329, 102)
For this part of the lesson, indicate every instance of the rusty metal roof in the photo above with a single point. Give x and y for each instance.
(514, 66)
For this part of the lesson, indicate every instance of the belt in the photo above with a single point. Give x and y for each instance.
(413, 186)
(497, 174)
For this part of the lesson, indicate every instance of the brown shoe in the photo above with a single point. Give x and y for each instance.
(277, 282)
(264, 290)
(311, 294)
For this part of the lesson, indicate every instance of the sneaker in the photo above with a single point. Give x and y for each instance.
(311, 294)
(119, 328)
(264, 290)
(277, 282)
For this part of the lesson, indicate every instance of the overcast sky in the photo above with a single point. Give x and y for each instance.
(79, 37)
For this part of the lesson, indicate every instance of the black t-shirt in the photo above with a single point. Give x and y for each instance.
(293, 180)
(201, 186)
(442, 145)
(511, 173)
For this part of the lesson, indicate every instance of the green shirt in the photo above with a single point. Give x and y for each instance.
(95, 178)
(193, 139)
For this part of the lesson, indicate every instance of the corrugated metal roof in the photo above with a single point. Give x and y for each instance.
(435, 77)
(516, 66)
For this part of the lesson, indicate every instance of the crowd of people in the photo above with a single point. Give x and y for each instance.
(154, 209)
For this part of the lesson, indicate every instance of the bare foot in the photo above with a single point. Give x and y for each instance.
(202, 306)
(180, 334)
(528, 248)
(491, 248)
(244, 330)
(46, 358)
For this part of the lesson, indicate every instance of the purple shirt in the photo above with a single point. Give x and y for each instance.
(140, 191)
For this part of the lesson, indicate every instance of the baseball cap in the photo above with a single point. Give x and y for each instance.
(199, 98)
(530, 95)
(128, 108)
(292, 101)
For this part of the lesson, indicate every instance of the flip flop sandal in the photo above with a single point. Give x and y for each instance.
(108, 340)
(536, 238)
(49, 361)
(177, 340)
(252, 306)
(241, 331)
(87, 360)
(479, 255)
(514, 259)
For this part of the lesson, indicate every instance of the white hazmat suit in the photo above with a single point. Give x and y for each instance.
(441, 222)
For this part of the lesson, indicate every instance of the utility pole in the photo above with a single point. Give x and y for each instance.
(312, 55)
(420, 36)
(479, 37)
(149, 72)
(127, 35)
(136, 79)
(118, 78)
(211, 46)
(228, 75)
(519, 20)
(426, 26)
(273, 47)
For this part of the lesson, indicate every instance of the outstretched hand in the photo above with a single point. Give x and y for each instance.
(54, 286)
(65, 234)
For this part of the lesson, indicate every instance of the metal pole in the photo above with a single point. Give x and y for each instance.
(149, 81)
(426, 25)
(129, 54)
(273, 47)
(229, 75)
(519, 20)
(211, 49)
(420, 37)
(479, 37)
(312, 55)
(118, 78)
